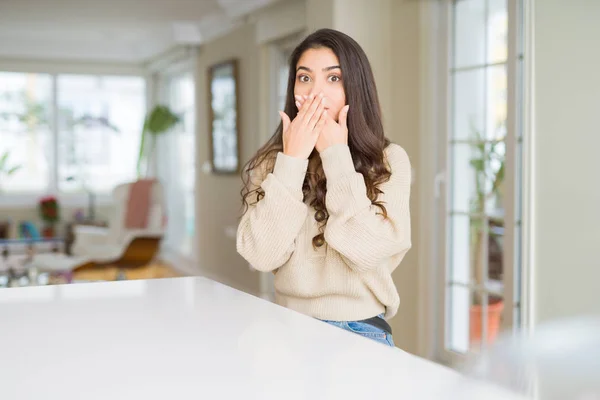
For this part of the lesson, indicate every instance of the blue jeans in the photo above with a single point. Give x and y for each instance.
(365, 330)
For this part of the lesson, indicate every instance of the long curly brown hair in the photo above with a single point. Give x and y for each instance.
(366, 138)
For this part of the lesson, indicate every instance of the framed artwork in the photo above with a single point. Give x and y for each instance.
(223, 91)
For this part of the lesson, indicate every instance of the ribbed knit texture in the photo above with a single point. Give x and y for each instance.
(348, 278)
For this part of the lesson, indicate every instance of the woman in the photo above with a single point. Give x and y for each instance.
(327, 197)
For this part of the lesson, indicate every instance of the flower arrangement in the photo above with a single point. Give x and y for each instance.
(49, 209)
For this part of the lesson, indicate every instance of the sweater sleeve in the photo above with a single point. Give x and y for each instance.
(356, 229)
(268, 230)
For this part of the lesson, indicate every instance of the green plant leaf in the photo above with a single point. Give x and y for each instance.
(158, 121)
(13, 170)
(478, 164)
(3, 160)
(499, 178)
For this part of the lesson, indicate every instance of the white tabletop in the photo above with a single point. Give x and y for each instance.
(192, 338)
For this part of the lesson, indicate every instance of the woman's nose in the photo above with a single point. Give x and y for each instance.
(317, 88)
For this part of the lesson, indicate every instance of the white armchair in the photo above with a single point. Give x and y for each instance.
(116, 245)
(104, 245)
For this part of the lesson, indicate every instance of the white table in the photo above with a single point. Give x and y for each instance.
(192, 338)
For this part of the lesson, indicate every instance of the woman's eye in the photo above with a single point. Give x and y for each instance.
(303, 78)
(335, 78)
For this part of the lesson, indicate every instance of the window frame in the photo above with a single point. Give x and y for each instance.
(276, 55)
(516, 120)
(163, 80)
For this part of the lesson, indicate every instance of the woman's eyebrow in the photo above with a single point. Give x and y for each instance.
(324, 69)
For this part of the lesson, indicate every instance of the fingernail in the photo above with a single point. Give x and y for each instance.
(297, 97)
(298, 104)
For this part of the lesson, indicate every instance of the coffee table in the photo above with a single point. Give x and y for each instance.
(15, 261)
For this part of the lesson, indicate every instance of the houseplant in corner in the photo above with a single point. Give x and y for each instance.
(488, 169)
(158, 121)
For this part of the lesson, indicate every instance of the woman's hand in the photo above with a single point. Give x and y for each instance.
(332, 132)
(300, 135)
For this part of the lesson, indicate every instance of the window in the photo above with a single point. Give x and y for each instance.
(176, 162)
(280, 53)
(100, 120)
(26, 132)
(284, 72)
(182, 102)
(70, 133)
(482, 222)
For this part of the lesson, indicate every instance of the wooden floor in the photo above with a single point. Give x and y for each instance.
(155, 270)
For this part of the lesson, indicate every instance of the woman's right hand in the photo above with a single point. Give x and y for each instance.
(300, 135)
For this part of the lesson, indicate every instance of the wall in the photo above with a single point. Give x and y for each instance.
(376, 43)
(404, 129)
(218, 196)
(566, 139)
(320, 14)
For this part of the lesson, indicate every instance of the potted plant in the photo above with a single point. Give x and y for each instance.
(488, 166)
(49, 212)
(159, 120)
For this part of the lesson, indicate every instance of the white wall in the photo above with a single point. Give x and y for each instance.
(319, 14)
(218, 196)
(377, 43)
(566, 144)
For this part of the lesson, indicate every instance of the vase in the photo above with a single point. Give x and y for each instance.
(494, 311)
(48, 232)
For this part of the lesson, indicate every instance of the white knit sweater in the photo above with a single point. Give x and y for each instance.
(348, 278)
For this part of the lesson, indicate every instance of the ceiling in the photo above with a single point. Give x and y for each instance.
(129, 31)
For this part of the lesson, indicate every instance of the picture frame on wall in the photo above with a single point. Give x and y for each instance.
(223, 101)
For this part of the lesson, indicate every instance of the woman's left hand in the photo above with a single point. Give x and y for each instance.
(333, 132)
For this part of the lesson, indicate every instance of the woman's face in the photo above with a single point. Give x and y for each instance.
(318, 70)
